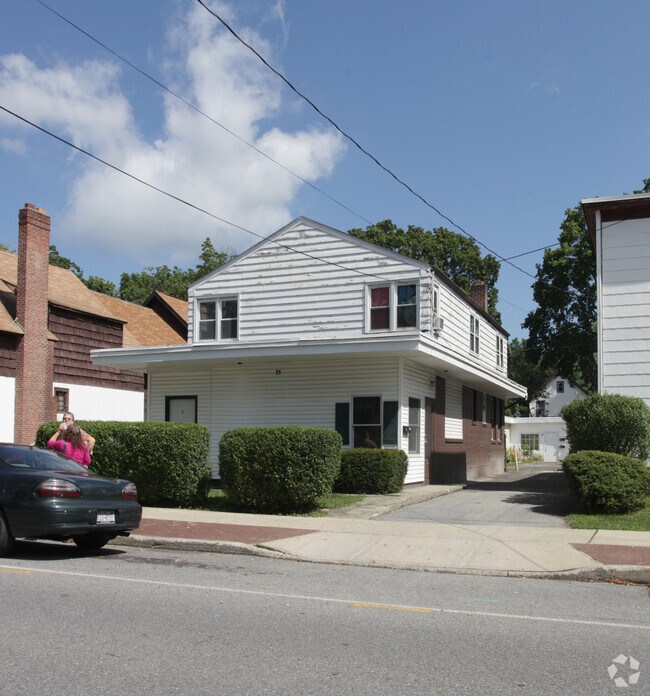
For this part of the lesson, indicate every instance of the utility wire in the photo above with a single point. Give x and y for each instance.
(198, 110)
(179, 199)
(525, 253)
(357, 145)
(225, 128)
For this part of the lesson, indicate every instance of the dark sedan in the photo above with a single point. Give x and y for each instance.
(44, 495)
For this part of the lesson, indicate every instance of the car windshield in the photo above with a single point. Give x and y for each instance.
(34, 458)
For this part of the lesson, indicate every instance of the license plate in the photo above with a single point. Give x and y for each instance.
(105, 518)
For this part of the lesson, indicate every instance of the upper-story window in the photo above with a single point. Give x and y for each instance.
(474, 334)
(500, 358)
(393, 306)
(218, 319)
(560, 387)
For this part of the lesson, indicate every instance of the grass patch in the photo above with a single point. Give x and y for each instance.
(218, 501)
(638, 521)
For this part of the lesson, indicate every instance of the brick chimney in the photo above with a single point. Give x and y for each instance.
(479, 294)
(34, 359)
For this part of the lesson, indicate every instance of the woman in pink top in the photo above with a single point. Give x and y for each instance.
(70, 444)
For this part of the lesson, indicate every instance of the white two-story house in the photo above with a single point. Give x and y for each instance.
(314, 327)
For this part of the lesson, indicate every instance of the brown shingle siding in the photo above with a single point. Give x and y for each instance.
(77, 337)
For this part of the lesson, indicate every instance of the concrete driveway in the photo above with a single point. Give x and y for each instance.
(536, 496)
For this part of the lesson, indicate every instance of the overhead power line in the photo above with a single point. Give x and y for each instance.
(356, 143)
(182, 200)
(200, 111)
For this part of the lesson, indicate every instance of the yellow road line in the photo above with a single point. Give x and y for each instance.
(15, 570)
(392, 607)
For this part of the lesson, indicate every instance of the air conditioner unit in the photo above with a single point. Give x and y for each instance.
(438, 324)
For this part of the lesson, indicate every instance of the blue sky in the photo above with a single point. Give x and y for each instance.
(502, 115)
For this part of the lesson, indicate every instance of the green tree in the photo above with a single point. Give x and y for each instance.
(455, 255)
(106, 287)
(210, 259)
(524, 369)
(63, 262)
(136, 287)
(562, 330)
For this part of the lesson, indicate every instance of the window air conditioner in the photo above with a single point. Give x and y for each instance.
(438, 324)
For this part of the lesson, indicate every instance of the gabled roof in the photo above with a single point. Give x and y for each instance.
(552, 378)
(142, 326)
(301, 222)
(64, 288)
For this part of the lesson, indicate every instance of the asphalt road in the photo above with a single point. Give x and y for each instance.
(160, 622)
(535, 496)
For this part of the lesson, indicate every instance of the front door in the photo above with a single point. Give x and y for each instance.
(428, 439)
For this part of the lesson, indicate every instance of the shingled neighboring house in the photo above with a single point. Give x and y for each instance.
(49, 323)
(315, 327)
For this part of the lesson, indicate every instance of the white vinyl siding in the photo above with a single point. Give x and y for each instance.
(417, 383)
(287, 295)
(625, 308)
(453, 411)
(275, 393)
(455, 335)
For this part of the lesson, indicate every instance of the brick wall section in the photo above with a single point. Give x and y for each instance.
(77, 335)
(33, 403)
(475, 456)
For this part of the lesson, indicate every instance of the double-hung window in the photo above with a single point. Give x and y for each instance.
(500, 360)
(218, 319)
(474, 337)
(393, 306)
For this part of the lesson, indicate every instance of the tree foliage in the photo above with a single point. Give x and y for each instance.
(454, 254)
(63, 262)
(136, 287)
(524, 369)
(562, 330)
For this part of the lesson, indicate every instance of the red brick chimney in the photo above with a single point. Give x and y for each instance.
(479, 294)
(34, 360)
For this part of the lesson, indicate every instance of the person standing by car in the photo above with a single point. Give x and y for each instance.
(70, 443)
(89, 440)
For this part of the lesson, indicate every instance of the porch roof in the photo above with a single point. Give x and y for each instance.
(421, 349)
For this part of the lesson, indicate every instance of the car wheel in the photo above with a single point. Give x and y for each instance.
(91, 542)
(6, 537)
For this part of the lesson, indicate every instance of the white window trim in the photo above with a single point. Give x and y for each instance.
(474, 335)
(392, 306)
(217, 299)
(500, 352)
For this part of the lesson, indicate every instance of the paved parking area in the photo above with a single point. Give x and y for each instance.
(535, 496)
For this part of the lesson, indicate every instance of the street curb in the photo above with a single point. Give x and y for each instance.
(230, 547)
(633, 574)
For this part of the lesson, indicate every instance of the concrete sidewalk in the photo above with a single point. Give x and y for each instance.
(352, 536)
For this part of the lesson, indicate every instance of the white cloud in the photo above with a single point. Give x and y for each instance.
(193, 158)
(13, 145)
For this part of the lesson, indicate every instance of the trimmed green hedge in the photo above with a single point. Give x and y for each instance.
(609, 423)
(283, 469)
(366, 470)
(607, 482)
(168, 462)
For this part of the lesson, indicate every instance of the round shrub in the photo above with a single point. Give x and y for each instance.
(168, 462)
(606, 482)
(282, 469)
(609, 423)
(366, 470)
